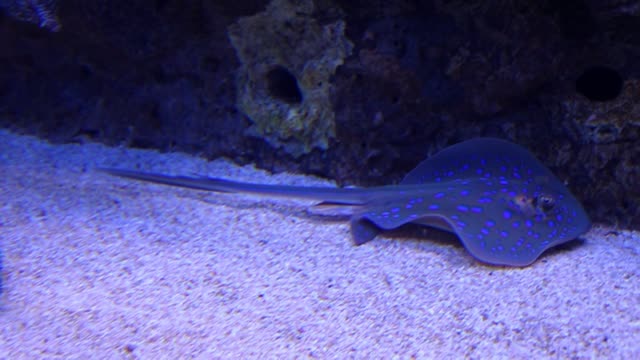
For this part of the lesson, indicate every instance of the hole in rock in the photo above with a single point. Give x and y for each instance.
(282, 85)
(599, 83)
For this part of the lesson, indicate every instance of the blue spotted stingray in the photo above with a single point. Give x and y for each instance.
(504, 205)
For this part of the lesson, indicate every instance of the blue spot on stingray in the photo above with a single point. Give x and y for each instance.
(515, 224)
(408, 206)
(506, 214)
(485, 200)
(434, 207)
(476, 209)
(551, 223)
(463, 208)
(490, 223)
(438, 195)
(464, 192)
(395, 210)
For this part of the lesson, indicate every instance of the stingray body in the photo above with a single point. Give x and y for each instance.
(504, 205)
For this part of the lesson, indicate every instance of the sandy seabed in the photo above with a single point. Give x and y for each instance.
(105, 268)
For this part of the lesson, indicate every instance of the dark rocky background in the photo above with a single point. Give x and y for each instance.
(359, 91)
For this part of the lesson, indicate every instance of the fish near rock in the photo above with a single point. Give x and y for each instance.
(506, 207)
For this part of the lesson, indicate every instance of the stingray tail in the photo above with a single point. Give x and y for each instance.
(337, 196)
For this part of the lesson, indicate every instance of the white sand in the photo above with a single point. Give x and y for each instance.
(102, 267)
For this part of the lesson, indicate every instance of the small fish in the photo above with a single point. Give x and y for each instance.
(504, 205)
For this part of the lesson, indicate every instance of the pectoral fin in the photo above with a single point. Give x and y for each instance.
(363, 230)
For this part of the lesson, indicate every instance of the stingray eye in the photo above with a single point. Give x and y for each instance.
(544, 202)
